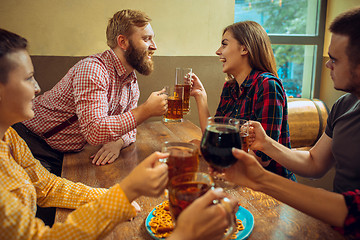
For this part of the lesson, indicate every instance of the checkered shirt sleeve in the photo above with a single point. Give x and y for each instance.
(100, 92)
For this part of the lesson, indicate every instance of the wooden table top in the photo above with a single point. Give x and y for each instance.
(273, 219)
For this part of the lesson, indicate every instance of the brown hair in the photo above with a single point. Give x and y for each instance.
(254, 37)
(9, 43)
(348, 24)
(122, 23)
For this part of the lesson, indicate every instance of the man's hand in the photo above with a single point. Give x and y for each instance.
(247, 171)
(108, 153)
(257, 136)
(156, 104)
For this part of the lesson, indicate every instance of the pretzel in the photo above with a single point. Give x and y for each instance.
(161, 223)
(239, 227)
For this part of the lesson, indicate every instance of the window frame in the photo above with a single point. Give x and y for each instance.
(316, 40)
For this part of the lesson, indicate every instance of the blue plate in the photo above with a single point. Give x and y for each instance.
(243, 214)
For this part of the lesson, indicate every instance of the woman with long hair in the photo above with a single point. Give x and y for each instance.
(253, 90)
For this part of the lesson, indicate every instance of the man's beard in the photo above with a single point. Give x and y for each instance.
(139, 59)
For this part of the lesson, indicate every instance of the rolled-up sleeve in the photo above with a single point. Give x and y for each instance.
(87, 222)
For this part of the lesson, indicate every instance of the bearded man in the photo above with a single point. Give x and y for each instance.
(96, 101)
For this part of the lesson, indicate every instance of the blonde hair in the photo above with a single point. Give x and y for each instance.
(254, 37)
(122, 23)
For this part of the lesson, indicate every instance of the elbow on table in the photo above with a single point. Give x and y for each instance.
(94, 138)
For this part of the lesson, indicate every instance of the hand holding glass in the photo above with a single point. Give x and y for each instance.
(220, 136)
(186, 188)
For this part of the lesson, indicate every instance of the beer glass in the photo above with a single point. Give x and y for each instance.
(183, 79)
(244, 134)
(220, 136)
(175, 99)
(183, 158)
(186, 188)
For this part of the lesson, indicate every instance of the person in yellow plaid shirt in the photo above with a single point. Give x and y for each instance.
(25, 182)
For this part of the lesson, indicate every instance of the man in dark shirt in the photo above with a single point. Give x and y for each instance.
(338, 146)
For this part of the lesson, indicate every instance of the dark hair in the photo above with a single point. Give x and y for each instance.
(254, 37)
(9, 43)
(348, 24)
(123, 23)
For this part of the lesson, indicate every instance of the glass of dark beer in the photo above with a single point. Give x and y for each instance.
(220, 136)
(175, 99)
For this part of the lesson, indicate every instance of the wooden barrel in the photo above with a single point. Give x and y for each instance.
(307, 121)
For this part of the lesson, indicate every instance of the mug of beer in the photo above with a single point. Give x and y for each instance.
(175, 99)
(183, 79)
(183, 158)
(186, 188)
(244, 134)
(220, 136)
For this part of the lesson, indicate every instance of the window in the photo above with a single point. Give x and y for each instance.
(296, 29)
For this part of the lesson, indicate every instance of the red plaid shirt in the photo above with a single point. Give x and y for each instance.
(97, 90)
(262, 98)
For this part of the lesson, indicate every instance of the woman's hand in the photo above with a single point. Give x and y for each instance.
(108, 153)
(203, 220)
(149, 178)
(197, 88)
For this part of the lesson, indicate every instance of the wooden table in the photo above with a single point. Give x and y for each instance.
(273, 219)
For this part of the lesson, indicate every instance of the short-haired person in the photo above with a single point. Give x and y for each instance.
(253, 91)
(338, 147)
(96, 102)
(25, 182)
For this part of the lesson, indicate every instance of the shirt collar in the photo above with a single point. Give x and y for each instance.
(5, 142)
(244, 85)
(249, 79)
(6, 139)
(120, 68)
